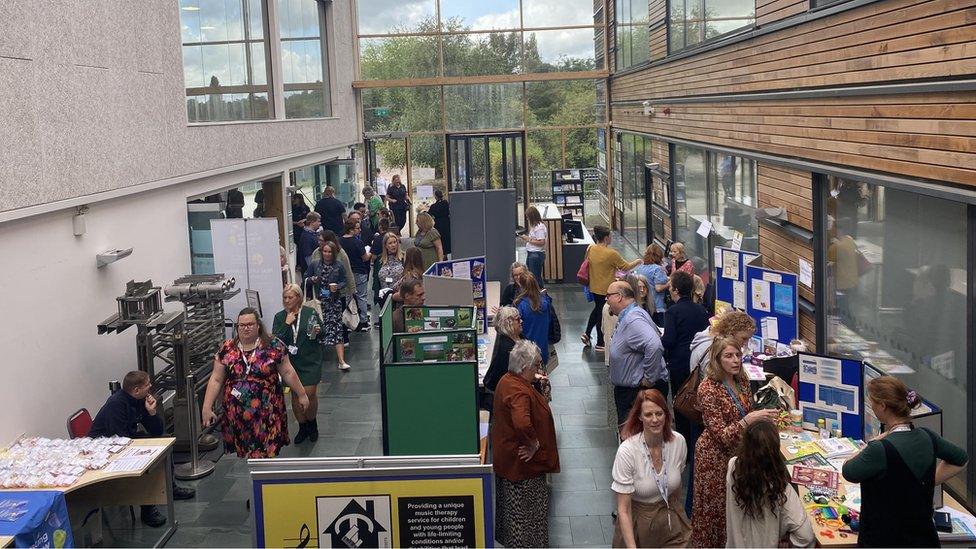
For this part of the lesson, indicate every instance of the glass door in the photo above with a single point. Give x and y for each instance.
(388, 154)
(487, 161)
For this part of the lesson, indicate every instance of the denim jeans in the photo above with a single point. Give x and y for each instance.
(534, 262)
(362, 281)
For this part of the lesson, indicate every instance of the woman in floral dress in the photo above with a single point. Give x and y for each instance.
(329, 276)
(246, 372)
(726, 411)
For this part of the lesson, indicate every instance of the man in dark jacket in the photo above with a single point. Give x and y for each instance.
(308, 240)
(682, 321)
(331, 210)
(122, 414)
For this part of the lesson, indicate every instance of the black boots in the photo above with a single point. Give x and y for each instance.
(308, 430)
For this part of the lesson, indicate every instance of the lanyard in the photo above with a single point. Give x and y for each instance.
(662, 479)
(247, 362)
(735, 400)
(294, 328)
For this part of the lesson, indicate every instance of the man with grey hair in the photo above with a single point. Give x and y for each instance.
(636, 353)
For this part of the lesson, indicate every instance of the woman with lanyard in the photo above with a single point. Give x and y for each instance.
(726, 407)
(300, 329)
(246, 372)
(898, 471)
(647, 477)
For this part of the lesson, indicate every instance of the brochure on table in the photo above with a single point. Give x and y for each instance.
(833, 389)
(730, 283)
(472, 268)
(435, 319)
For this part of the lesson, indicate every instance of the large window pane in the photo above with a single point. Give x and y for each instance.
(483, 106)
(426, 170)
(692, 21)
(896, 287)
(402, 109)
(482, 54)
(550, 13)
(691, 200)
(560, 50)
(303, 63)
(398, 57)
(481, 15)
(393, 16)
(561, 103)
(544, 151)
(732, 183)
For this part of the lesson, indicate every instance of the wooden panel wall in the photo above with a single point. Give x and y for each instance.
(880, 42)
(657, 17)
(927, 136)
(785, 188)
(768, 11)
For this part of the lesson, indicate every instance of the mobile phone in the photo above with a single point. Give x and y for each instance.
(943, 522)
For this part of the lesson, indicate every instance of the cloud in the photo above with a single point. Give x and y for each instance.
(382, 16)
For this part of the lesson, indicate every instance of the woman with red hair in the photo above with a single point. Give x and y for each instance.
(647, 477)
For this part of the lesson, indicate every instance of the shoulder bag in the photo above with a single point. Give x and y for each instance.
(686, 400)
(583, 274)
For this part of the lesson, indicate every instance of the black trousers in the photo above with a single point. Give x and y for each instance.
(596, 318)
(400, 219)
(623, 398)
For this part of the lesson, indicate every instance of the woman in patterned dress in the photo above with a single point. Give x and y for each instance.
(329, 276)
(726, 411)
(246, 370)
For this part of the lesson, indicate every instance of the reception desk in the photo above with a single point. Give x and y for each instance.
(563, 259)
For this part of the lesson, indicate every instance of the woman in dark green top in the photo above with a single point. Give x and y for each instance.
(898, 471)
(300, 329)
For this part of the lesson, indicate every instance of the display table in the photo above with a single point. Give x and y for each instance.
(151, 484)
(828, 536)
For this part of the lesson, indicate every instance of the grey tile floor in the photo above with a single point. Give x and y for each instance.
(350, 424)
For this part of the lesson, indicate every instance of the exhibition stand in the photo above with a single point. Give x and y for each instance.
(433, 501)
(770, 297)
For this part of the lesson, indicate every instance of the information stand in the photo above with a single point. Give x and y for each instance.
(771, 299)
(471, 268)
(441, 501)
(832, 389)
(730, 273)
(433, 319)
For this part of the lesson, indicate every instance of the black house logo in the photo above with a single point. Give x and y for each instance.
(358, 525)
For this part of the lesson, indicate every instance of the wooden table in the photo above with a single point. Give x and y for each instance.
(151, 485)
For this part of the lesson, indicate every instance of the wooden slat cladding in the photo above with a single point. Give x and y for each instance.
(927, 136)
(768, 11)
(808, 331)
(660, 153)
(782, 252)
(657, 16)
(881, 42)
(790, 189)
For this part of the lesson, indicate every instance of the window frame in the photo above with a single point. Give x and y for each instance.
(703, 23)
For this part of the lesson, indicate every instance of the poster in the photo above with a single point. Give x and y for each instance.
(445, 346)
(426, 319)
(416, 509)
(736, 240)
(704, 229)
(760, 295)
(730, 266)
(739, 294)
(462, 269)
(473, 268)
(806, 273)
(783, 299)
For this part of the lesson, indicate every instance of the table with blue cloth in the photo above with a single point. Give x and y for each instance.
(44, 522)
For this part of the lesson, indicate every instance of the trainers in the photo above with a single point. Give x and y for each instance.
(152, 517)
(344, 366)
(599, 347)
(363, 327)
(182, 492)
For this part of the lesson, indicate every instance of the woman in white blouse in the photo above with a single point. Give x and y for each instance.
(647, 477)
(762, 509)
(535, 243)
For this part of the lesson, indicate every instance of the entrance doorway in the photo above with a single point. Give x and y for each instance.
(488, 161)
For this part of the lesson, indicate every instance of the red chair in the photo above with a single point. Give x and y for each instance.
(79, 423)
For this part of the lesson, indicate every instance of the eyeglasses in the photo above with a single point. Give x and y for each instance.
(246, 325)
(612, 293)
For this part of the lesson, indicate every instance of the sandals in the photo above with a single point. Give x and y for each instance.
(585, 338)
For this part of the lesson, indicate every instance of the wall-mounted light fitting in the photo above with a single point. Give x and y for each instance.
(78, 224)
(111, 256)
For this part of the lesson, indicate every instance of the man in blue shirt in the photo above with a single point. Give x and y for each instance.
(122, 414)
(636, 354)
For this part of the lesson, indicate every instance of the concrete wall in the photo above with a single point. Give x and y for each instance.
(52, 297)
(92, 100)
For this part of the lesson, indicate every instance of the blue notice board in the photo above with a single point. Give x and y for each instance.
(725, 279)
(832, 388)
(773, 294)
(474, 269)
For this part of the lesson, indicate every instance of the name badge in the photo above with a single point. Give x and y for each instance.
(389, 280)
(293, 349)
(236, 393)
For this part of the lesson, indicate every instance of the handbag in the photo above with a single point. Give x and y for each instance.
(686, 400)
(350, 314)
(555, 330)
(583, 274)
(310, 300)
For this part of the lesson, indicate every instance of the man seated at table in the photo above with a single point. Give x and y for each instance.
(412, 293)
(121, 415)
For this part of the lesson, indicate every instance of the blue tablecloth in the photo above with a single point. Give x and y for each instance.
(45, 524)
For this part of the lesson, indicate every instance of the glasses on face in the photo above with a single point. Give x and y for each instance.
(612, 293)
(242, 325)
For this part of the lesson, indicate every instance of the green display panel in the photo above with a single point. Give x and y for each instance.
(427, 319)
(386, 327)
(431, 409)
(447, 346)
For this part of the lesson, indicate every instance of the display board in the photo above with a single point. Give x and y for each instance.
(248, 251)
(730, 275)
(372, 502)
(473, 269)
(386, 330)
(430, 408)
(832, 388)
(449, 345)
(771, 300)
(434, 319)
(488, 228)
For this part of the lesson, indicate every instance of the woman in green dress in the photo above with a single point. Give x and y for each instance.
(300, 329)
(428, 240)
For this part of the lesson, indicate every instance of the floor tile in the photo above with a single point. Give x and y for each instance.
(587, 531)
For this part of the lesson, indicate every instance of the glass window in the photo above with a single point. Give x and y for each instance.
(483, 106)
(544, 151)
(732, 205)
(402, 109)
(632, 32)
(694, 21)
(481, 15)
(304, 63)
(545, 13)
(396, 16)
(398, 57)
(482, 54)
(562, 103)
(560, 50)
(896, 286)
(426, 170)
(224, 53)
(691, 199)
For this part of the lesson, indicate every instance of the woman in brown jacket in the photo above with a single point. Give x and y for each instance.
(523, 438)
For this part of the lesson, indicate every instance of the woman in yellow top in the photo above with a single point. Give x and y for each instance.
(604, 263)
